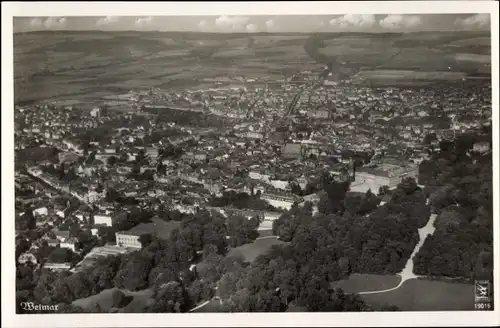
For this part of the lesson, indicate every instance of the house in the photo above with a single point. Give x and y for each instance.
(27, 257)
(42, 211)
(152, 152)
(320, 114)
(93, 196)
(57, 266)
(61, 235)
(70, 244)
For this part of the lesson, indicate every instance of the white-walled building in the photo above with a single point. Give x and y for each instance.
(384, 175)
(127, 240)
(69, 244)
(281, 201)
(106, 220)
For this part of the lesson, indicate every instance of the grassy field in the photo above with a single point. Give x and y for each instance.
(367, 282)
(427, 295)
(258, 247)
(136, 300)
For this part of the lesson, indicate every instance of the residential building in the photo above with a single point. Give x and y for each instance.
(27, 257)
(70, 244)
(101, 219)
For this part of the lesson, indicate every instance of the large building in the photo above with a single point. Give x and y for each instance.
(157, 227)
(128, 240)
(384, 174)
(278, 200)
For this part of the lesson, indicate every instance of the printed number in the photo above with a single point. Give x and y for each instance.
(483, 306)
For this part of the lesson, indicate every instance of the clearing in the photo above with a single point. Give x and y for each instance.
(260, 246)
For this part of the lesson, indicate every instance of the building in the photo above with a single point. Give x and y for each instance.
(284, 201)
(128, 240)
(57, 266)
(69, 244)
(42, 211)
(96, 112)
(254, 135)
(152, 152)
(68, 157)
(102, 219)
(292, 150)
(94, 196)
(320, 114)
(27, 257)
(157, 227)
(385, 174)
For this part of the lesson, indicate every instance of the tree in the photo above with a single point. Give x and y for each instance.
(112, 195)
(170, 298)
(61, 255)
(242, 230)
(136, 168)
(145, 239)
(117, 297)
(134, 271)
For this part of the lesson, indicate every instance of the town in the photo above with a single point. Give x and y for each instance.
(102, 182)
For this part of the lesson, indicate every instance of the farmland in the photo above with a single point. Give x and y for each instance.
(81, 66)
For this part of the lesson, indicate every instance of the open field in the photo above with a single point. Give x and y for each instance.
(251, 251)
(81, 65)
(427, 295)
(357, 283)
(135, 301)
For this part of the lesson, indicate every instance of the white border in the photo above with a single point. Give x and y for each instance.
(9, 319)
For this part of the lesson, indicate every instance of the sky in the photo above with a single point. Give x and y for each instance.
(253, 24)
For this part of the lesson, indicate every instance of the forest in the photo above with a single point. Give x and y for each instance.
(460, 189)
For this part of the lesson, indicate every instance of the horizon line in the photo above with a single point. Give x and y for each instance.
(252, 33)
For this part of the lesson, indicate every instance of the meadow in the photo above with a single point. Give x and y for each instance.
(134, 302)
(427, 295)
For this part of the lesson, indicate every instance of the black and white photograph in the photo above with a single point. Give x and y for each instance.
(217, 162)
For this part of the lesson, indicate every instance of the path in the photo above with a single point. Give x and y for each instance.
(407, 272)
(200, 306)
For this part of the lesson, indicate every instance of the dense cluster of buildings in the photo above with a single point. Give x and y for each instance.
(277, 160)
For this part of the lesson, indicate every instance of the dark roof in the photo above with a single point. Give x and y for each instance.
(292, 148)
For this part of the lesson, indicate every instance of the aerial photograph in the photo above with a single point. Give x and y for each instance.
(197, 164)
